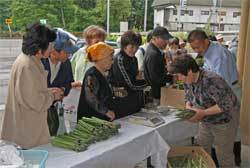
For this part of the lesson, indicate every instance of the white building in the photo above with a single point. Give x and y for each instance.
(223, 16)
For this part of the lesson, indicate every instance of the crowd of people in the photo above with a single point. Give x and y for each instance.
(112, 82)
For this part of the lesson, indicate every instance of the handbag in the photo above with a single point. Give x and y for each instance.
(53, 120)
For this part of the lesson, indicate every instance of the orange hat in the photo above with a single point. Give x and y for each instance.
(99, 51)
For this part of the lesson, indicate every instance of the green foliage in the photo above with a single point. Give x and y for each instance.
(82, 20)
(180, 35)
(4, 14)
(86, 4)
(60, 12)
(119, 11)
(75, 15)
(207, 27)
(136, 19)
(112, 37)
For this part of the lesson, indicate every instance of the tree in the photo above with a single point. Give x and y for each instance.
(207, 27)
(5, 13)
(120, 10)
(82, 19)
(150, 20)
(75, 15)
(86, 4)
(60, 12)
(66, 12)
(136, 19)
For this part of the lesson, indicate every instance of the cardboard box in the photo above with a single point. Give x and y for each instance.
(172, 97)
(193, 151)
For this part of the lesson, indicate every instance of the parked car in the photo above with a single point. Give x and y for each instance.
(81, 42)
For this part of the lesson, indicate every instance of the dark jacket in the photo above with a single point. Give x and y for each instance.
(64, 77)
(96, 97)
(123, 75)
(155, 72)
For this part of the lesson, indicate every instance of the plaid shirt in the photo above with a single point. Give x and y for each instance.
(209, 90)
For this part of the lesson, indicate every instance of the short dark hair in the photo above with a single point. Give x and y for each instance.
(183, 64)
(140, 38)
(130, 37)
(37, 37)
(197, 35)
(161, 32)
(212, 38)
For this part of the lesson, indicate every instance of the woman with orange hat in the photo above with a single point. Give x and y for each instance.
(96, 97)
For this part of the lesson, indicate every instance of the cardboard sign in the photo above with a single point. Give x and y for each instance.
(172, 97)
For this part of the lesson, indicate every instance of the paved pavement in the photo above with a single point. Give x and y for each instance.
(9, 50)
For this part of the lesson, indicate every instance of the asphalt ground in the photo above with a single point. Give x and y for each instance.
(9, 50)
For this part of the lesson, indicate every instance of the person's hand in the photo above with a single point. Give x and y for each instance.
(139, 76)
(200, 114)
(76, 84)
(111, 115)
(188, 105)
(58, 93)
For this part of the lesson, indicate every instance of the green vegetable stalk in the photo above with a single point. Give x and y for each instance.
(87, 131)
(185, 114)
(187, 161)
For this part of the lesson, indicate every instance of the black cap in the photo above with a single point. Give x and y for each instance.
(161, 32)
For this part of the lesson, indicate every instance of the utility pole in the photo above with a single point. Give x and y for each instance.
(145, 15)
(108, 8)
(214, 15)
(179, 17)
(220, 14)
(62, 14)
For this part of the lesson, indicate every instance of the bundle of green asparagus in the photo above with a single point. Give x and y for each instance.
(185, 114)
(87, 131)
(187, 162)
(178, 85)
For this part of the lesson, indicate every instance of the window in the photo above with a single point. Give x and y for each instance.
(191, 13)
(182, 12)
(187, 12)
(222, 13)
(236, 14)
(174, 12)
(204, 12)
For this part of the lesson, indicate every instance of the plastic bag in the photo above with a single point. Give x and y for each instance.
(61, 129)
(10, 156)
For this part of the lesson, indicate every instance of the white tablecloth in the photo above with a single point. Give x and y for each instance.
(172, 131)
(175, 130)
(133, 144)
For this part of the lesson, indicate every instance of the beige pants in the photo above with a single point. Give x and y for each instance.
(222, 137)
